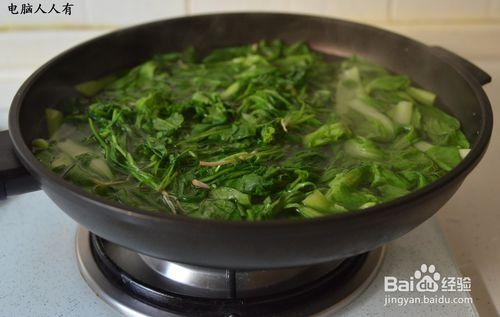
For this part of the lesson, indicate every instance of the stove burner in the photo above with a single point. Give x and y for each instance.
(140, 285)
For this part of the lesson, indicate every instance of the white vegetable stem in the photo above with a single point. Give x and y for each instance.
(421, 95)
(402, 112)
(463, 152)
(372, 113)
(423, 146)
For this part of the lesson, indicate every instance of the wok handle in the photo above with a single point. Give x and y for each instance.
(14, 178)
(480, 75)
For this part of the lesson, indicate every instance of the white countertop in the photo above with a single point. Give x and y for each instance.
(470, 220)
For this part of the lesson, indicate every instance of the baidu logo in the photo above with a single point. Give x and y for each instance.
(422, 287)
(426, 279)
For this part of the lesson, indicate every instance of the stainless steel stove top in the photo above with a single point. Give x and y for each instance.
(140, 285)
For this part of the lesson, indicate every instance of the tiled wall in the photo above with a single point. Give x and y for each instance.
(125, 12)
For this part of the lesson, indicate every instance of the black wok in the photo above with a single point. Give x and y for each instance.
(268, 244)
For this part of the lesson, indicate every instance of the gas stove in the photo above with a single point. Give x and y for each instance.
(50, 267)
(138, 284)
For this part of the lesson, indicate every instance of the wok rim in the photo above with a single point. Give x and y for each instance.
(44, 175)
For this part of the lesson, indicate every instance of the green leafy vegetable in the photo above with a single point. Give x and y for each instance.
(54, 119)
(90, 88)
(252, 132)
(421, 95)
(362, 148)
(326, 134)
